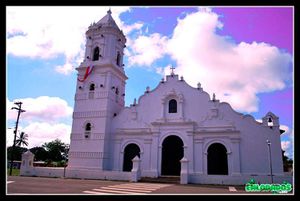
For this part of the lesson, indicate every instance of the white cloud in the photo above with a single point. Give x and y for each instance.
(285, 145)
(41, 121)
(287, 141)
(43, 108)
(49, 31)
(129, 28)
(240, 71)
(66, 69)
(147, 49)
(41, 132)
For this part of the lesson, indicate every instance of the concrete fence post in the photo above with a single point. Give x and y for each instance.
(184, 173)
(27, 168)
(136, 171)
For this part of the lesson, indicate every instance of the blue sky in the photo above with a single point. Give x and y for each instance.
(242, 54)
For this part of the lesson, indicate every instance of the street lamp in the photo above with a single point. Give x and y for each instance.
(19, 104)
(270, 158)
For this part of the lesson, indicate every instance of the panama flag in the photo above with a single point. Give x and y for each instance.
(87, 73)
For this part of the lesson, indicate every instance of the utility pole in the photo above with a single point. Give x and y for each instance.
(19, 104)
(270, 159)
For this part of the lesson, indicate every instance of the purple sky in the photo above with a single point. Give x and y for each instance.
(269, 20)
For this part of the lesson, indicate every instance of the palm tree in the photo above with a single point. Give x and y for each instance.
(22, 139)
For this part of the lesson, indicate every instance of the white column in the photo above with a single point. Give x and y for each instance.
(117, 155)
(190, 150)
(155, 152)
(184, 173)
(146, 165)
(198, 158)
(136, 169)
(235, 157)
(27, 164)
(163, 109)
(181, 109)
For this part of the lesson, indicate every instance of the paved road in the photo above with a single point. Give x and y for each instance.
(42, 186)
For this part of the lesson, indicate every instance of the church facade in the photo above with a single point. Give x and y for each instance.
(166, 127)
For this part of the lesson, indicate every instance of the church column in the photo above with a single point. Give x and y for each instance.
(198, 158)
(147, 155)
(155, 152)
(163, 109)
(190, 150)
(88, 49)
(108, 81)
(117, 154)
(235, 157)
(181, 107)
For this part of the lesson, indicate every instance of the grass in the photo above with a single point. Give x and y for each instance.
(15, 172)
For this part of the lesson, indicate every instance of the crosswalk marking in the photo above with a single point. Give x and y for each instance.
(231, 188)
(146, 184)
(93, 192)
(112, 191)
(127, 188)
(8, 182)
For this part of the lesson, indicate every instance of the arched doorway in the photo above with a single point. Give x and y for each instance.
(217, 163)
(130, 151)
(172, 153)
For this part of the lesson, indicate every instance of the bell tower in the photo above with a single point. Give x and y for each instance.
(100, 95)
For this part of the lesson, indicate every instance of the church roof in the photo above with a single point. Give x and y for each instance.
(107, 21)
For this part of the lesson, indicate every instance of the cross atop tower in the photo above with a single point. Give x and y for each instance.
(172, 70)
(109, 11)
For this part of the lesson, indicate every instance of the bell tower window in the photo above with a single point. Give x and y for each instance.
(92, 87)
(88, 129)
(96, 54)
(91, 92)
(118, 59)
(173, 106)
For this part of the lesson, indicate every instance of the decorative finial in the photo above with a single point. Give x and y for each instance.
(172, 70)
(214, 97)
(109, 11)
(147, 89)
(198, 85)
(134, 102)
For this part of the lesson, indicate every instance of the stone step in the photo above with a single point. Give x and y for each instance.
(162, 179)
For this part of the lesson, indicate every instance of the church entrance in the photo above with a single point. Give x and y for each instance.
(217, 163)
(172, 153)
(131, 151)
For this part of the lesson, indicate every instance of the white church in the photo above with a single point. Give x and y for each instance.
(171, 130)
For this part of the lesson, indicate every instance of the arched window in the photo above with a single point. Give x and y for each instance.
(92, 87)
(173, 106)
(118, 59)
(96, 54)
(88, 127)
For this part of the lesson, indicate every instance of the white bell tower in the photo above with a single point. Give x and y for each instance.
(100, 95)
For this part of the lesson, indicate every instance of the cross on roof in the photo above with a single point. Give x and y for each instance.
(172, 70)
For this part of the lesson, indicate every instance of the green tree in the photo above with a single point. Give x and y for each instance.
(18, 151)
(287, 162)
(40, 154)
(56, 149)
(22, 139)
